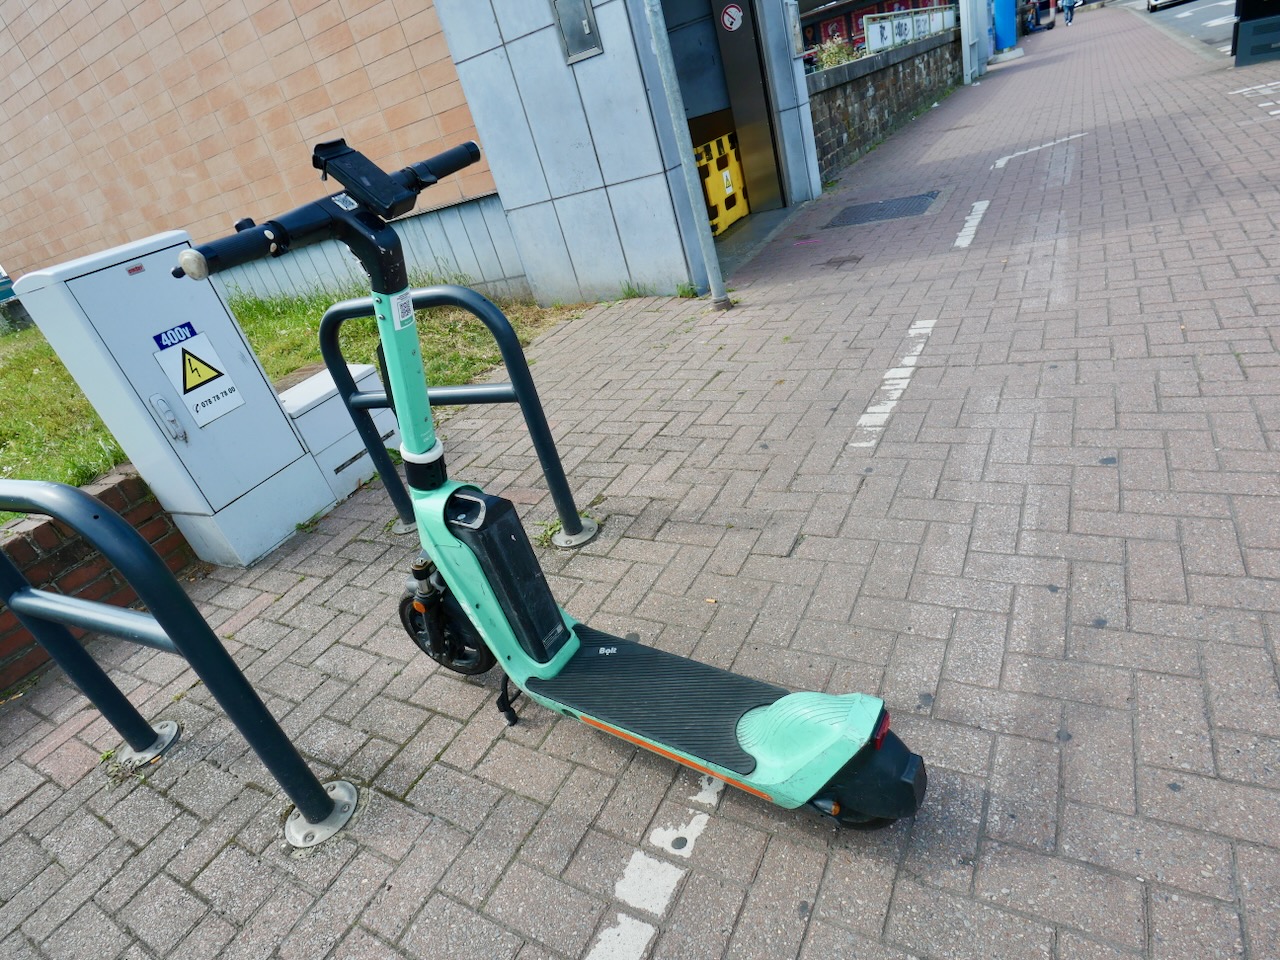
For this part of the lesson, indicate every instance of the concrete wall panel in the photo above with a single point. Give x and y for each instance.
(616, 103)
(470, 26)
(506, 138)
(556, 116)
(519, 17)
(644, 210)
(591, 235)
(547, 263)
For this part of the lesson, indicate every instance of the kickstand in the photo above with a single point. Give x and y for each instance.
(505, 700)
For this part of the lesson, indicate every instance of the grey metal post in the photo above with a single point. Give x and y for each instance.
(684, 146)
(358, 404)
(76, 663)
(575, 530)
(178, 617)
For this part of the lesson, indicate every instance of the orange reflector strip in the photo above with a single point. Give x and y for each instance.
(672, 756)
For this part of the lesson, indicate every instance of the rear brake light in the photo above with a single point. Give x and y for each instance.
(882, 727)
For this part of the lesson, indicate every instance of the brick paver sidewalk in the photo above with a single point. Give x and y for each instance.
(1024, 489)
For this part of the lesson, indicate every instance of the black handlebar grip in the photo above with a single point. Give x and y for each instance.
(226, 252)
(451, 161)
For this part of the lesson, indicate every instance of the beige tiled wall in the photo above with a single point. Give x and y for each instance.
(123, 118)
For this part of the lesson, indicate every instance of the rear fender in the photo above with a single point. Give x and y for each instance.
(801, 741)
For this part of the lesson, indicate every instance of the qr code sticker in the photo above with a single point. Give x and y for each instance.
(403, 310)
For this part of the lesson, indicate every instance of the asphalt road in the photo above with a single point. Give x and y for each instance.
(1209, 21)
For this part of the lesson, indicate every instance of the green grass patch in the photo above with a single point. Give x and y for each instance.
(49, 431)
(456, 347)
(633, 291)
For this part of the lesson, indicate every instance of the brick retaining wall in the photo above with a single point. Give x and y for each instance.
(858, 104)
(53, 557)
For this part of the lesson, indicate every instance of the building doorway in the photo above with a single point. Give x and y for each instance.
(716, 45)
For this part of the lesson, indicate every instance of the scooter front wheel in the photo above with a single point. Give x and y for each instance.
(442, 631)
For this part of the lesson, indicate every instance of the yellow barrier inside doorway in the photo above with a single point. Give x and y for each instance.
(722, 184)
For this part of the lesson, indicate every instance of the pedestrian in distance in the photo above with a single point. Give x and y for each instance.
(1068, 10)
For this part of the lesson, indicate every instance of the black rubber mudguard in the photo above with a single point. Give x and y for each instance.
(676, 702)
(888, 782)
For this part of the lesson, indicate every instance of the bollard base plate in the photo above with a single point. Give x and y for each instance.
(166, 736)
(301, 834)
(589, 530)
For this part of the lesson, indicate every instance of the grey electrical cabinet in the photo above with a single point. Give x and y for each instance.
(169, 371)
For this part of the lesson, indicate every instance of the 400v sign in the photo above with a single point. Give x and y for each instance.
(197, 373)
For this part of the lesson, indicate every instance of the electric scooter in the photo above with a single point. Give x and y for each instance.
(479, 598)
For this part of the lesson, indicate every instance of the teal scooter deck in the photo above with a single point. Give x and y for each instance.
(688, 706)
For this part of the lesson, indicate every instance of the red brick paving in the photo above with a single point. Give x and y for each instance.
(1056, 561)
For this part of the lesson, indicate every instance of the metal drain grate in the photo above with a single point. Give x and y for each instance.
(884, 210)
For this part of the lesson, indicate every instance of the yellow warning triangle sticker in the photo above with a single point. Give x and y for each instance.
(195, 372)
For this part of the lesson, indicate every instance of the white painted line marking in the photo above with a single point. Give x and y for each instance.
(1261, 86)
(648, 883)
(709, 795)
(679, 841)
(894, 383)
(1187, 14)
(1221, 21)
(627, 940)
(970, 228)
(1274, 113)
(999, 164)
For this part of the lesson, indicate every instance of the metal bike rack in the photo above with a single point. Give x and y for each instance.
(173, 625)
(575, 530)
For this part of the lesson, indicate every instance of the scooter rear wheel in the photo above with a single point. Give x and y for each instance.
(443, 632)
(857, 821)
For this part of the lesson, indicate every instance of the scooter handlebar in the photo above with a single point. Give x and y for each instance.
(307, 223)
(442, 165)
(252, 243)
